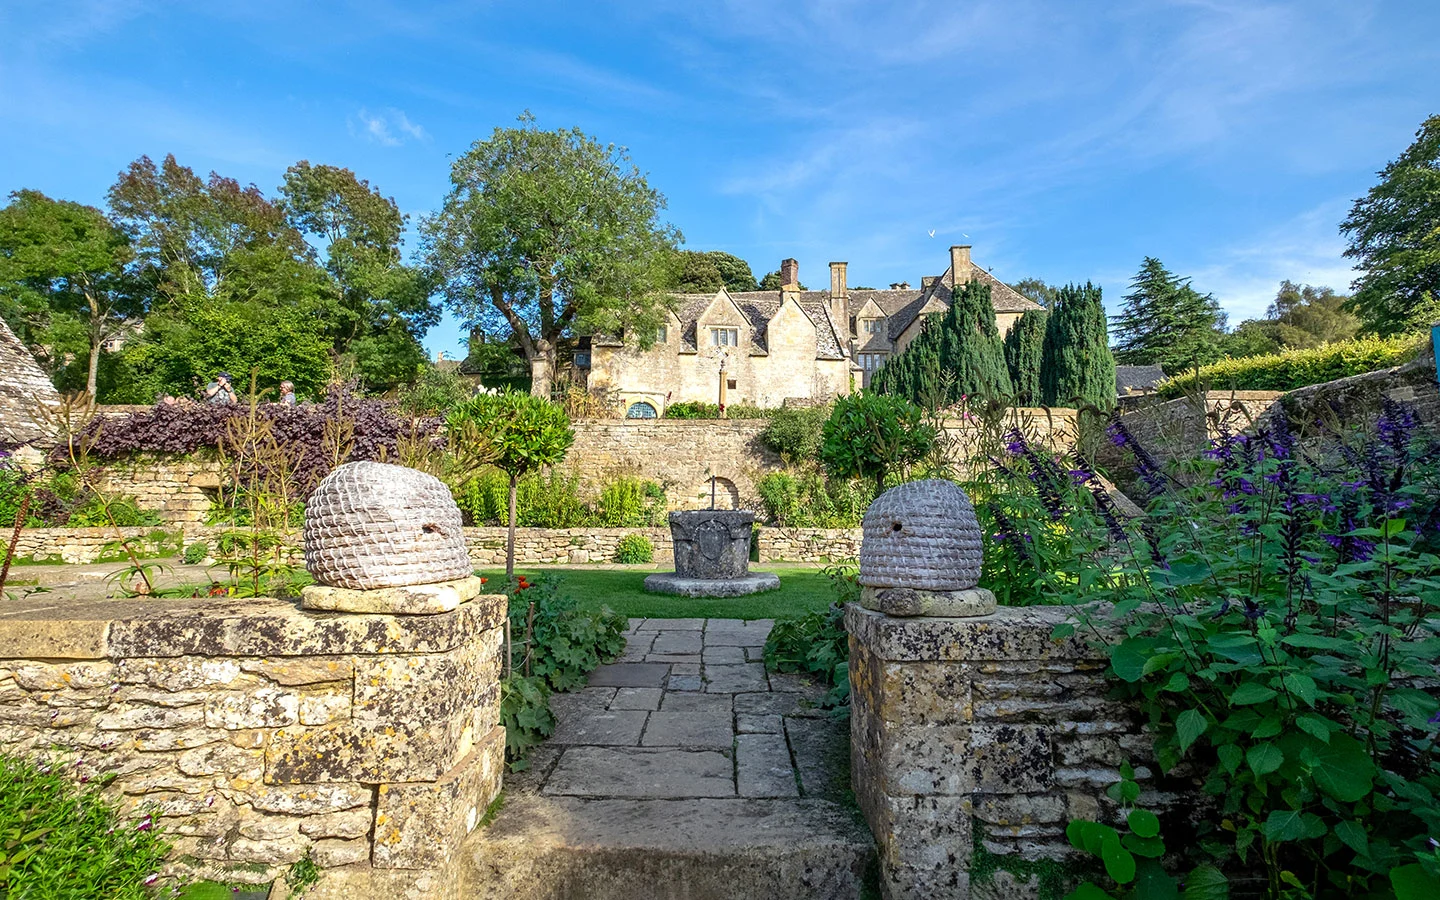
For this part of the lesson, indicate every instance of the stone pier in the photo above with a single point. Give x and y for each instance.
(259, 733)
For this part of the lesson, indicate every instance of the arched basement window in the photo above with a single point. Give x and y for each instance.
(640, 410)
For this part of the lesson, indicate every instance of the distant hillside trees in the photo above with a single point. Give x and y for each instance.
(1166, 322)
(1024, 345)
(958, 354)
(1394, 233)
(1076, 367)
(1301, 317)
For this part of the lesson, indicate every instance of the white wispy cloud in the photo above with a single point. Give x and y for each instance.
(389, 127)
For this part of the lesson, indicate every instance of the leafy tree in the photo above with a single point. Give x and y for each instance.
(1394, 233)
(1166, 322)
(546, 233)
(63, 281)
(385, 305)
(525, 433)
(233, 285)
(735, 271)
(956, 355)
(1252, 337)
(1038, 290)
(873, 436)
(1076, 367)
(1024, 345)
(697, 274)
(1308, 316)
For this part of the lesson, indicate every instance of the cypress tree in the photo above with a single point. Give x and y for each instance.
(1023, 346)
(1166, 322)
(1076, 367)
(957, 354)
(971, 348)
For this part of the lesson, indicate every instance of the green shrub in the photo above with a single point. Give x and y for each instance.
(810, 500)
(816, 644)
(692, 409)
(12, 491)
(875, 436)
(67, 841)
(1293, 369)
(629, 502)
(554, 647)
(634, 549)
(434, 392)
(795, 434)
(196, 552)
(124, 510)
(542, 500)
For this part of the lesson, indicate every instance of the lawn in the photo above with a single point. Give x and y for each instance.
(802, 590)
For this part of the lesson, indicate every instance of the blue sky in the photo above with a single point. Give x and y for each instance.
(1064, 140)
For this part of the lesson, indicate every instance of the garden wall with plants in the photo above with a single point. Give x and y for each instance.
(258, 737)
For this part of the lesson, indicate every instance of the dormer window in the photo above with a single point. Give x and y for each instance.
(725, 337)
(872, 326)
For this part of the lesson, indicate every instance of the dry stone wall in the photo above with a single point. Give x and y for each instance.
(179, 488)
(257, 733)
(978, 729)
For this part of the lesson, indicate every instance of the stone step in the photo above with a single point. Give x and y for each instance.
(573, 848)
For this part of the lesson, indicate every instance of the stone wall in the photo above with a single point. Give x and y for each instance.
(982, 727)
(486, 545)
(179, 488)
(811, 545)
(259, 733)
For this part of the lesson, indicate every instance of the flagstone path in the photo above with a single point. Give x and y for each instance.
(683, 770)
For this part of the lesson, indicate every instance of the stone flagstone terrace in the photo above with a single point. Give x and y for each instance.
(682, 770)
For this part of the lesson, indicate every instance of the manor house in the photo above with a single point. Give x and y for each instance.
(774, 346)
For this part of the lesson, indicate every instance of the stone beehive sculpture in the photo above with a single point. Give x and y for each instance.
(370, 525)
(921, 553)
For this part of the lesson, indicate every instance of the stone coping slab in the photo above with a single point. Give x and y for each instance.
(408, 600)
(46, 627)
(671, 583)
(1011, 632)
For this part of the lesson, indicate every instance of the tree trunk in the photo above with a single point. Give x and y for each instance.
(510, 538)
(92, 375)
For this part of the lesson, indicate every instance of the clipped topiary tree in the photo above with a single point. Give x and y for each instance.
(870, 435)
(1076, 366)
(525, 433)
(1024, 346)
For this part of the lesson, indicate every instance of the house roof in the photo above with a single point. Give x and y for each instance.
(1135, 379)
(23, 386)
(759, 307)
(1003, 297)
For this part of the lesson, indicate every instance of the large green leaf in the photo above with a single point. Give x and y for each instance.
(1251, 692)
(1154, 883)
(1189, 725)
(1353, 835)
(1143, 823)
(1292, 825)
(1088, 891)
(1412, 882)
(1342, 768)
(1206, 883)
(1119, 863)
(1264, 758)
(1128, 658)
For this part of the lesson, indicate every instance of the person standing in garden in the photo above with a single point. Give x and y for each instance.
(220, 392)
(287, 393)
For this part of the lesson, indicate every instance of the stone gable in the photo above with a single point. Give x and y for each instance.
(24, 388)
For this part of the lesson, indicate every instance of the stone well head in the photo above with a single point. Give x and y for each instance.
(922, 535)
(373, 525)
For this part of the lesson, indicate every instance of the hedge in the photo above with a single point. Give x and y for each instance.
(1291, 369)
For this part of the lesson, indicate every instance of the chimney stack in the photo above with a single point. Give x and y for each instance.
(789, 275)
(839, 297)
(960, 266)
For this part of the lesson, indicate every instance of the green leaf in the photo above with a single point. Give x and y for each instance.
(1393, 527)
(1352, 835)
(1342, 768)
(1128, 659)
(1143, 823)
(1230, 757)
(1153, 848)
(1189, 725)
(1251, 692)
(1315, 726)
(1154, 883)
(1177, 683)
(1264, 758)
(1088, 891)
(1292, 825)
(1119, 863)
(1206, 882)
(1302, 686)
(1412, 882)
(1316, 642)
